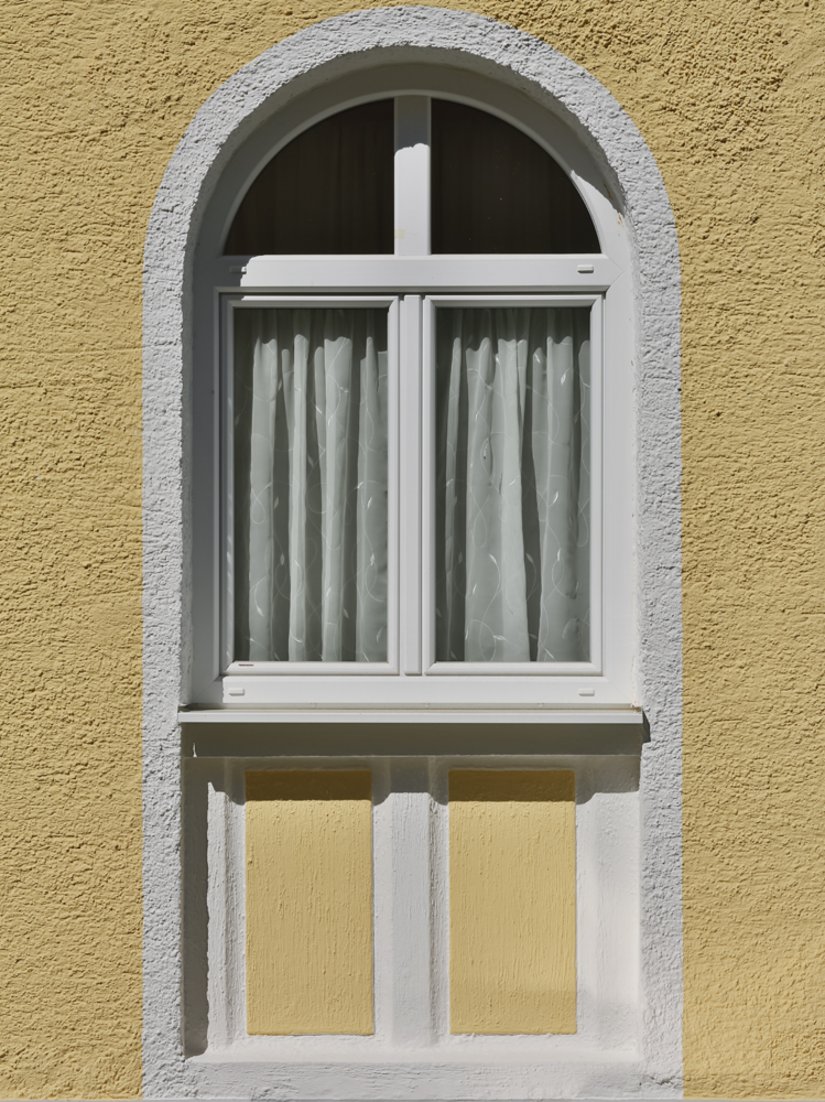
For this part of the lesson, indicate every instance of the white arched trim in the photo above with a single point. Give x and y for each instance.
(611, 162)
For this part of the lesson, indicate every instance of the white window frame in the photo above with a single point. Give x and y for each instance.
(430, 665)
(231, 667)
(411, 683)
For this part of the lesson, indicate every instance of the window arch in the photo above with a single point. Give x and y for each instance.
(330, 188)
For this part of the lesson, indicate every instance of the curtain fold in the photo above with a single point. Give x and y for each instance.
(512, 484)
(310, 485)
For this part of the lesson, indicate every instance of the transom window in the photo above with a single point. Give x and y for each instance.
(413, 372)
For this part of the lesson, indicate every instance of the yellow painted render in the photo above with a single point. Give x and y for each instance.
(95, 94)
(512, 901)
(309, 941)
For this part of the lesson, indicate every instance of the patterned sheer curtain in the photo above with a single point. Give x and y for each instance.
(512, 484)
(310, 485)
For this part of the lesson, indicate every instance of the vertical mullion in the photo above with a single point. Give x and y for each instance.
(597, 649)
(226, 386)
(409, 484)
(426, 606)
(412, 176)
(395, 394)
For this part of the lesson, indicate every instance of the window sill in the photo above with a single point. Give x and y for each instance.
(624, 716)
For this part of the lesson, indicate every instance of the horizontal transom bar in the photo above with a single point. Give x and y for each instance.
(416, 273)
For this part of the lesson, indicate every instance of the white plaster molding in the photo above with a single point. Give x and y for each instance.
(331, 49)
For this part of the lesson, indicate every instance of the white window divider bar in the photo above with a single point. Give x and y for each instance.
(412, 176)
(410, 489)
(428, 274)
(428, 443)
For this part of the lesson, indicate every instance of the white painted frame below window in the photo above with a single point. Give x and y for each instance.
(410, 813)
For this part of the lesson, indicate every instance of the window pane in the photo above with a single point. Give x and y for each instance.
(512, 484)
(496, 191)
(329, 191)
(310, 485)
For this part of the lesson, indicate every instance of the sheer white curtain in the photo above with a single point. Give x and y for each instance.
(512, 484)
(310, 485)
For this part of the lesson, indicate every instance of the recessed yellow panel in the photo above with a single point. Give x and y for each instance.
(512, 901)
(309, 942)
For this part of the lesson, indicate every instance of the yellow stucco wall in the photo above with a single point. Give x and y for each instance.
(512, 888)
(94, 96)
(309, 902)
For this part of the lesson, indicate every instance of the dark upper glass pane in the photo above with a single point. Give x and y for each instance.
(330, 190)
(496, 191)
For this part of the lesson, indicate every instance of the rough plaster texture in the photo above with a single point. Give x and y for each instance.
(309, 959)
(94, 99)
(504, 876)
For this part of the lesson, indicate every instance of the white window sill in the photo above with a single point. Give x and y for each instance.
(625, 716)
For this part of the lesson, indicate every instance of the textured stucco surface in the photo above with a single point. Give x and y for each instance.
(94, 99)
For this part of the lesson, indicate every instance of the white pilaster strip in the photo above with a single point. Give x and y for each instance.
(411, 912)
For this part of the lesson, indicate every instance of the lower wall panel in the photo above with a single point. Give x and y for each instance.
(512, 901)
(309, 941)
(318, 948)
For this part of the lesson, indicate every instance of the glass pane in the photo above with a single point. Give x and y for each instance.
(309, 481)
(329, 191)
(512, 484)
(496, 191)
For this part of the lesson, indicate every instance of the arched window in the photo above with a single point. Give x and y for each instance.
(398, 397)
(420, 501)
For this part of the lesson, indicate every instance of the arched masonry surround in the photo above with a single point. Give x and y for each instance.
(331, 49)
